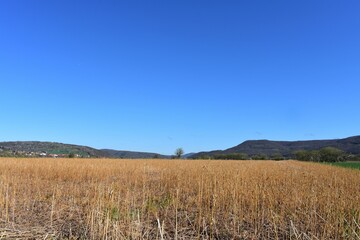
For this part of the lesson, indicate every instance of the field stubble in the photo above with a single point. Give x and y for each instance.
(177, 199)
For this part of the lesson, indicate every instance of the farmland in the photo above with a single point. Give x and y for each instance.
(354, 165)
(177, 199)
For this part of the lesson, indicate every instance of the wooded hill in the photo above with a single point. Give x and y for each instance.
(286, 149)
(252, 149)
(51, 149)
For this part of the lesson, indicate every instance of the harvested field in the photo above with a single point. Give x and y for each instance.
(177, 199)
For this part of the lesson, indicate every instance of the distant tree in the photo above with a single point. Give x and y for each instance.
(179, 152)
(331, 154)
(316, 156)
(352, 157)
(327, 154)
(232, 156)
(277, 156)
(260, 157)
(71, 155)
(302, 155)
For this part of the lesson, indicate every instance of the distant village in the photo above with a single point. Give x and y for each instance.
(6, 153)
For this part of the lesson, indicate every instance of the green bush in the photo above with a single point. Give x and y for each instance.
(327, 154)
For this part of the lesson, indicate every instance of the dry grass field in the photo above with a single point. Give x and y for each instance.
(177, 199)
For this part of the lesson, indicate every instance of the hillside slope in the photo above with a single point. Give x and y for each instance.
(36, 148)
(131, 154)
(287, 148)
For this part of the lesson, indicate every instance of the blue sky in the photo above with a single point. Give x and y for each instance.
(157, 75)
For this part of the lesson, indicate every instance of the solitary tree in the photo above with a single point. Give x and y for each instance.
(179, 152)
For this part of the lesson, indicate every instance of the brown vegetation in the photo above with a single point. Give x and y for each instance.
(177, 199)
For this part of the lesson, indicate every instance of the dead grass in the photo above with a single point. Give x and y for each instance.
(171, 199)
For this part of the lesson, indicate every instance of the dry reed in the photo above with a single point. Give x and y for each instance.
(177, 199)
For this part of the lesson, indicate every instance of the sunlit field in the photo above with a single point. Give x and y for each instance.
(177, 199)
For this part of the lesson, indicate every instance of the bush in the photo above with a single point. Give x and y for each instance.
(277, 156)
(260, 157)
(232, 156)
(327, 154)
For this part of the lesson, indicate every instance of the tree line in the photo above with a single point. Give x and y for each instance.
(327, 154)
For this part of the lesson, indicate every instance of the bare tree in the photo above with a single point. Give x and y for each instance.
(179, 152)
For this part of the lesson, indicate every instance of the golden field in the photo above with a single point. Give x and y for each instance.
(177, 199)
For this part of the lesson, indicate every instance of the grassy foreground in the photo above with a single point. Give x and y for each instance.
(174, 199)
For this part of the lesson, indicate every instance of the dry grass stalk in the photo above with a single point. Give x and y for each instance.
(174, 199)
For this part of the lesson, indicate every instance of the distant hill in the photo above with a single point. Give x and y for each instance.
(188, 155)
(130, 154)
(286, 148)
(349, 145)
(36, 148)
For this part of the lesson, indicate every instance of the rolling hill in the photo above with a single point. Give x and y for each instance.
(349, 145)
(36, 148)
(287, 148)
(131, 154)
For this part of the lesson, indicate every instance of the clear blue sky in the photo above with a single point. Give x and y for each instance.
(157, 75)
